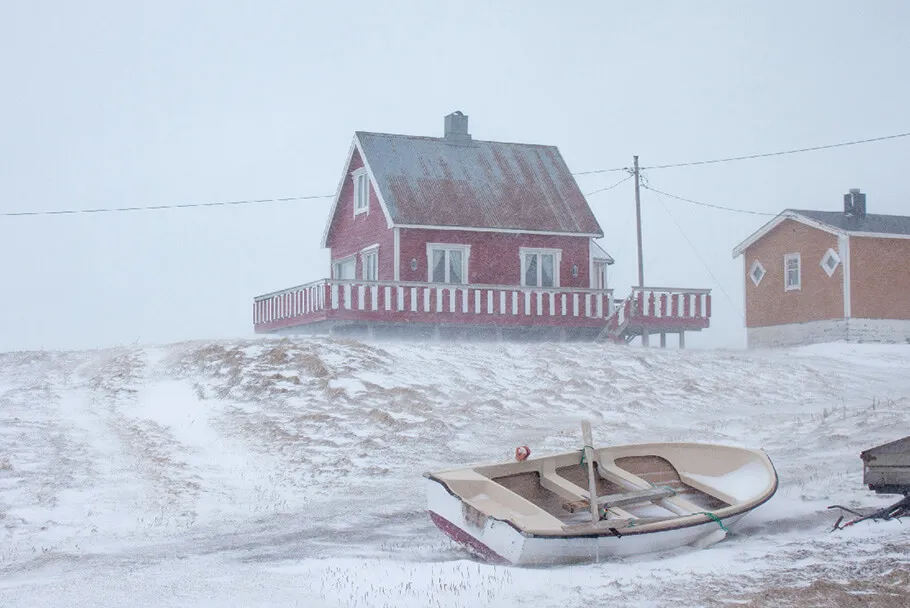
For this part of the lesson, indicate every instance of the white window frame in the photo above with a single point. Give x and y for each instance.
(557, 262)
(830, 254)
(756, 265)
(361, 191)
(597, 273)
(365, 255)
(336, 266)
(799, 272)
(447, 247)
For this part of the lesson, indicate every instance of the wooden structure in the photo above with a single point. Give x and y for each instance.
(821, 276)
(886, 468)
(451, 236)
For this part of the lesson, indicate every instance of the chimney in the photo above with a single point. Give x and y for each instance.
(457, 128)
(855, 203)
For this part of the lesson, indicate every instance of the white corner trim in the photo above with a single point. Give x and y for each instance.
(396, 253)
(799, 266)
(832, 255)
(778, 220)
(745, 298)
(590, 263)
(843, 244)
(756, 265)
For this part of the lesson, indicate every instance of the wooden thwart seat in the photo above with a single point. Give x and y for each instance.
(622, 500)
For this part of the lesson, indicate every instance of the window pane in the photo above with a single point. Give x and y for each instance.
(600, 275)
(439, 266)
(546, 270)
(361, 192)
(370, 266)
(455, 266)
(792, 272)
(531, 269)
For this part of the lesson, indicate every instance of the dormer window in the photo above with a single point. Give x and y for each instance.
(361, 191)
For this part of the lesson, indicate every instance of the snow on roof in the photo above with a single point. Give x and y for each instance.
(431, 181)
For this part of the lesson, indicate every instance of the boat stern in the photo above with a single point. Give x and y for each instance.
(490, 539)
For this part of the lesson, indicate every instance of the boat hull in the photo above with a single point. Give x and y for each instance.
(499, 542)
(651, 498)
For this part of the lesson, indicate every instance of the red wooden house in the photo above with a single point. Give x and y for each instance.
(454, 235)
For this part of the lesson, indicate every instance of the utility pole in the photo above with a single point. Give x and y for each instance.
(641, 264)
(645, 337)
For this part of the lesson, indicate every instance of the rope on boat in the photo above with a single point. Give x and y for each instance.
(715, 518)
(583, 452)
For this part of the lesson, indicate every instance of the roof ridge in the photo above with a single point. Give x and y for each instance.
(442, 139)
(838, 212)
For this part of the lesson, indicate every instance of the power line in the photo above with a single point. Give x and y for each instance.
(697, 254)
(159, 207)
(623, 180)
(752, 156)
(694, 202)
(602, 171)
(780, 153)
(615, 169)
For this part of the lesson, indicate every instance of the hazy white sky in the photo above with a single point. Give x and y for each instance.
(110, 103)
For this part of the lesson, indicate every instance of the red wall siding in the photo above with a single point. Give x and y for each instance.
(494, 256)
(349, 233)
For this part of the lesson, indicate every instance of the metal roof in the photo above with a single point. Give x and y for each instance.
(431, 181)
(872, 222)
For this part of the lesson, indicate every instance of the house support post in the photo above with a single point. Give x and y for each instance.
(682, 339)
(663, 339)
(645, 337)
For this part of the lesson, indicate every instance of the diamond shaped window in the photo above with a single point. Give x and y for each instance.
(830, 261)
(757, 272)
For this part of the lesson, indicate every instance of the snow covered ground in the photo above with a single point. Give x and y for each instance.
(271, 472)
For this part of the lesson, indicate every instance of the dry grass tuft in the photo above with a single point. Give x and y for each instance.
(5, 464)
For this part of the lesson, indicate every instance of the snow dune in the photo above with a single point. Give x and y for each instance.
(277, 472)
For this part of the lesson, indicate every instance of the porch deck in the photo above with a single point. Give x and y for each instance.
(329, 304)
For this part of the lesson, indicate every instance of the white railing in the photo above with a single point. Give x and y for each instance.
(428, 301)
(671, 302)
(646, 304)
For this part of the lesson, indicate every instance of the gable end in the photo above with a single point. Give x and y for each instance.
(346, 175)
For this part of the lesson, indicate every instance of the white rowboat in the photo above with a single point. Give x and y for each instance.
(650, 497)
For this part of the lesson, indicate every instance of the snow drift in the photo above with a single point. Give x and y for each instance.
(275, 471)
